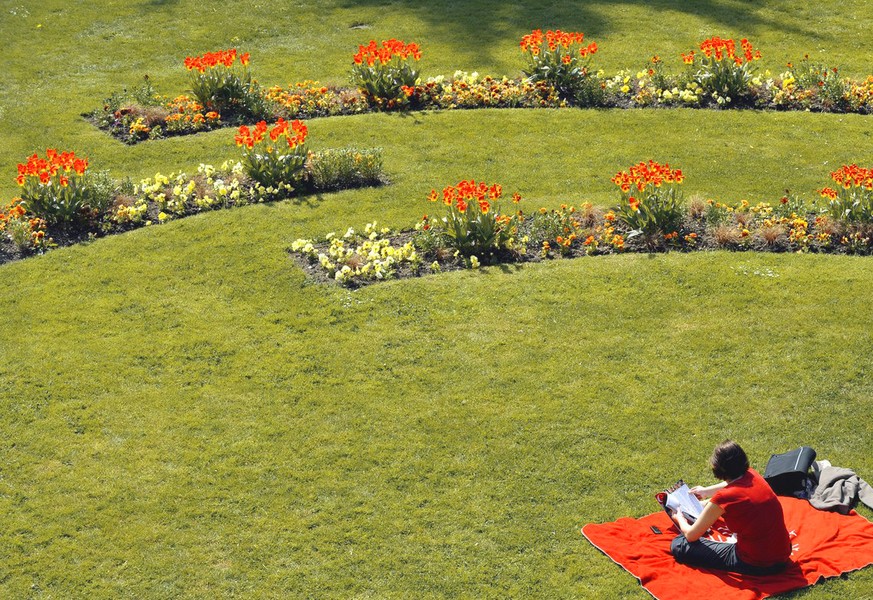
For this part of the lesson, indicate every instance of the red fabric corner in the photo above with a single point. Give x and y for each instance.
(825, 545)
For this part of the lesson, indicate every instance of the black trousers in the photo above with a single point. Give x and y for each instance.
(716, 555)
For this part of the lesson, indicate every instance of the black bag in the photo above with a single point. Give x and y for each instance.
(787, 473)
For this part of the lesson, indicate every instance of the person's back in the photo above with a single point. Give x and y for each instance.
(753, 512)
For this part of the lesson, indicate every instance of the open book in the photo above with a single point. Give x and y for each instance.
(679, 497)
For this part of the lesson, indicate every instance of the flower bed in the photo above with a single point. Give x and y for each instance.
(648, 217)
(558, 72)
(61, 205)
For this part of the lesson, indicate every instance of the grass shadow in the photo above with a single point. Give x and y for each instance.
(479, 26)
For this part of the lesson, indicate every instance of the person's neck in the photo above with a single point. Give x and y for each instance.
(738, 478)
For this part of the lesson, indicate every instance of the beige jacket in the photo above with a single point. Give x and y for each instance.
(839, 489)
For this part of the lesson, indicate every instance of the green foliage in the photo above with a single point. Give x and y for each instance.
(59, 204)
(652, 214)
(64, 196)
(382, 72)
(830, 87)
(275, 157)
(724, 80)
(558, 60)
(276, 169)
(724, 71)
(474, 232)
(589, 91)
(473, 223)
(19, 233)
(229, 90)
(854, 205)
(651, 203)
(344, 168)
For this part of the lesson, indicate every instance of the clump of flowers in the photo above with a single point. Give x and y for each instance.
(650, 86)
(57, 188)
(164, 197)
(562, 60)
(570, 231)
(469, 90)
(852, 200)
(559, 229)
(787, 224)
(473, 223)
(25, 231)
(308, 99)
(386, 74)
(651, 201)
(861, 95)
(721, 71)
(821, 85)
(352, 257)
(221, 82)
(186, 115)
(274, 156)
(140, 113)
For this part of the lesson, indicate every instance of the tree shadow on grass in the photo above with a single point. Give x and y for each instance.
(476, 26)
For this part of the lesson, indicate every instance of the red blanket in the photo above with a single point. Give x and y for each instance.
(825, 545)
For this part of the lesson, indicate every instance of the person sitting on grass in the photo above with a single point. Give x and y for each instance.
(751, 511)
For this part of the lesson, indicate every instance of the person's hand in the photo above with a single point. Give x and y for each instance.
(680, 520)
(699, 491)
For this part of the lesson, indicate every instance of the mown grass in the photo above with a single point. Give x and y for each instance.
(185, 415)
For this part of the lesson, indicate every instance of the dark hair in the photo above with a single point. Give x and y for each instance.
(729, 461)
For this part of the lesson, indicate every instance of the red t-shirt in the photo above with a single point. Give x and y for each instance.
(753, 512)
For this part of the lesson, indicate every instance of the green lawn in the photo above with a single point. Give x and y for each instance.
(185, 415)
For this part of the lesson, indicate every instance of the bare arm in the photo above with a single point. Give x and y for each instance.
(694, 531)
(707, 492)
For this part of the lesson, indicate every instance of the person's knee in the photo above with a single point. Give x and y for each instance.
(679, 547)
